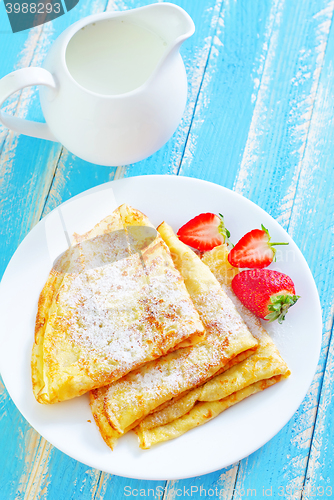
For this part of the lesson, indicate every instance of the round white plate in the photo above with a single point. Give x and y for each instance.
(231, 436)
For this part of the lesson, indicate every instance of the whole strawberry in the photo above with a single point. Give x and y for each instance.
(254, 249)
(268, 294)
(204, 232)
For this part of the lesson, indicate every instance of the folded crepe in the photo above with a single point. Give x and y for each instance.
(125, 402)
(112, 302)
(262, 369)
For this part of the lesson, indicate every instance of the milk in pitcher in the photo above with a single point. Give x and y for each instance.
(113, 57)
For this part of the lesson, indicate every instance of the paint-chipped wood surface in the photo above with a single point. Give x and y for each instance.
(259, 120)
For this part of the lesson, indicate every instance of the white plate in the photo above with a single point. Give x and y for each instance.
(226, 439)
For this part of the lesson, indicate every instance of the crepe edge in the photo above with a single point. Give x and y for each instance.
(201, 413)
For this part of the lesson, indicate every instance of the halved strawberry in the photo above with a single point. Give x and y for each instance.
(267, 293)
(204, 232)
(254, 250)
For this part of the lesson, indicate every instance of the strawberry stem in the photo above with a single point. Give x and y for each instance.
(279, 306)
(224, 231)
(272, 244)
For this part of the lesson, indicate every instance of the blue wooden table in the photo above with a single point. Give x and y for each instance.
(259, 120)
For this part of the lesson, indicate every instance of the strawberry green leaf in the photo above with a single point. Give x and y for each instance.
(265, 230)
(224, 231)
(279, 306)
(272, 244)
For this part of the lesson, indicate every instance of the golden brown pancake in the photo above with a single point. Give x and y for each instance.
(131, 398)
(200, 414)
(112, 302)
(109, 434)
(262, 369)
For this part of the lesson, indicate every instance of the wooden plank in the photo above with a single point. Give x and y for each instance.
(229, 91)
(219, 484)
(15, 174)
(13, 438)
(282, 463)
(281, 119)
(16, 435)
(315, 191)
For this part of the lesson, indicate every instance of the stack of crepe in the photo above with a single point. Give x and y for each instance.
(112, 302)
(175, 348)
(263, 368)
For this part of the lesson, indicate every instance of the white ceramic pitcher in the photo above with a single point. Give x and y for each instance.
(113, 86)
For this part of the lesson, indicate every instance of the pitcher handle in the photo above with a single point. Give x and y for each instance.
(15, 81)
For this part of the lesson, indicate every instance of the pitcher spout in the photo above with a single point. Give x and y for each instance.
(169, 21)
(174, 23)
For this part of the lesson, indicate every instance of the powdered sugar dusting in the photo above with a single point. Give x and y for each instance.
(158, 381)
(218, 313)
(123, 309)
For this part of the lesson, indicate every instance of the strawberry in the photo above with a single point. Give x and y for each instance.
(268, 294)
(204, 232)
(253, 250)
